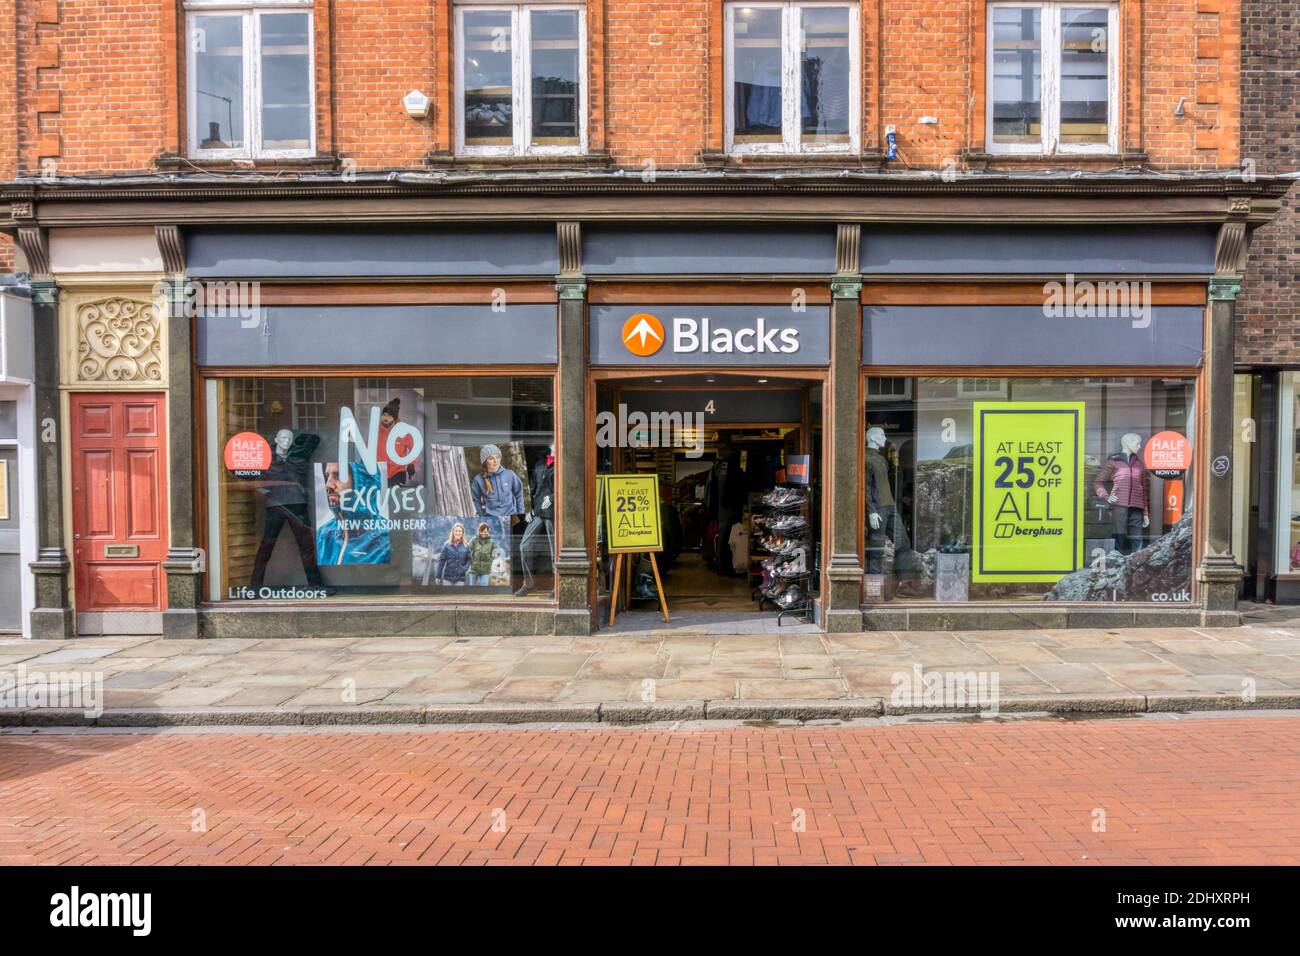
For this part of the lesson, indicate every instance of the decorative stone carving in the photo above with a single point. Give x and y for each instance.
(848, 240)
(569, 238)
(1230, 249)
(119, 340)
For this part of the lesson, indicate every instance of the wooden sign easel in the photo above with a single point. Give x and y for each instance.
(632, 496)
(618, 571)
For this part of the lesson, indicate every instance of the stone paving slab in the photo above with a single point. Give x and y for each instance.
(363, 679)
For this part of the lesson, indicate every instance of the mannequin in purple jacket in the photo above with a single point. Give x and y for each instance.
(1128, 496)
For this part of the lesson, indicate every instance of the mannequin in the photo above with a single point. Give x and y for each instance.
(883, 519)
(724, 498)
(542, 518)
(1128, 496)
(283, 490)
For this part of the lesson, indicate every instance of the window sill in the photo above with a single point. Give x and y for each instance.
(978, 159)
(320, 163)
(866, 159)
(444, 159)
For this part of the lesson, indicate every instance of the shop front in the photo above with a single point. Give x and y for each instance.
(735, 451)
(376, 456)
(1266, 483)
(891, 403)
(1033, 451)
(17, 461)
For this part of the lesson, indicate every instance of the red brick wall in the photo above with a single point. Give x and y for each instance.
(97, 89)
(658, 58)
(96, 84)
(1268, 309)
(383, 50)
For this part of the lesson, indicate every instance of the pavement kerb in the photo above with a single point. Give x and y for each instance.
(846, 709)
(622, 712)
(1172, 703)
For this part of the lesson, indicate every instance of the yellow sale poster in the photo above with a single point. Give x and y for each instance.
(1028, 491)
(632, 513)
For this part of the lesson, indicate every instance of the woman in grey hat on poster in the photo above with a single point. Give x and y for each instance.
(496, 491)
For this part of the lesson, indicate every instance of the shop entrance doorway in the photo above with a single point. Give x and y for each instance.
(738, 465)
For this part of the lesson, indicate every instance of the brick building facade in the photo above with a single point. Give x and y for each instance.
(100, 90)
(1268, 330)
(450, 213)
(1267, 491)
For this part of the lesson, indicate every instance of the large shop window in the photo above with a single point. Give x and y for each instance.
(1052, 75)
(522, 80)
(1287, 559)
(381, 485)
(1029, 489)
(250, 80)
(792, 77)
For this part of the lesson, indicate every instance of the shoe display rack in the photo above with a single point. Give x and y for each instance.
(782, 534)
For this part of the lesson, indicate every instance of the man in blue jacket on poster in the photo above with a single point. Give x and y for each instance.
(339, 543)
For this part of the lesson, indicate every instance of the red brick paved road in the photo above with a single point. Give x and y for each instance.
(1221, 790)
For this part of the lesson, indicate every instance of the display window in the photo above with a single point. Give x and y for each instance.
(323, 487)
(1287, 559)
(1062, 489)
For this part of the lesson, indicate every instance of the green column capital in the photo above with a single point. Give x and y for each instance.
(571, 287)
(1225, 288)
(846, 287)
(44, 292)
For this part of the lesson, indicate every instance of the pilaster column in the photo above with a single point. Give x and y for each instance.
(1218, 573)
(52, 615)
(183, 560)
(573, 559)
(842, 597)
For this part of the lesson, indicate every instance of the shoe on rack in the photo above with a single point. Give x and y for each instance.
(791, 597)
(789, 523)
(794, 568)
(779, 496)
(789, 546)
(785, 498)
(776, 590)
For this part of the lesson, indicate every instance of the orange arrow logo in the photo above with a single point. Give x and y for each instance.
(643, 334)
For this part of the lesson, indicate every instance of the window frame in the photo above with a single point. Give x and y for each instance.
(1050, 89)
(521, 87)
(791, 78)
(250, 14)
(307, 406)
(1095, 375)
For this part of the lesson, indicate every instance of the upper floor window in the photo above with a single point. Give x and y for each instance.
(1052, 76)
(793, 77)
(521, 76)
(250, 85)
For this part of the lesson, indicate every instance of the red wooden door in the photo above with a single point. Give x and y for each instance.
(119, 494)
